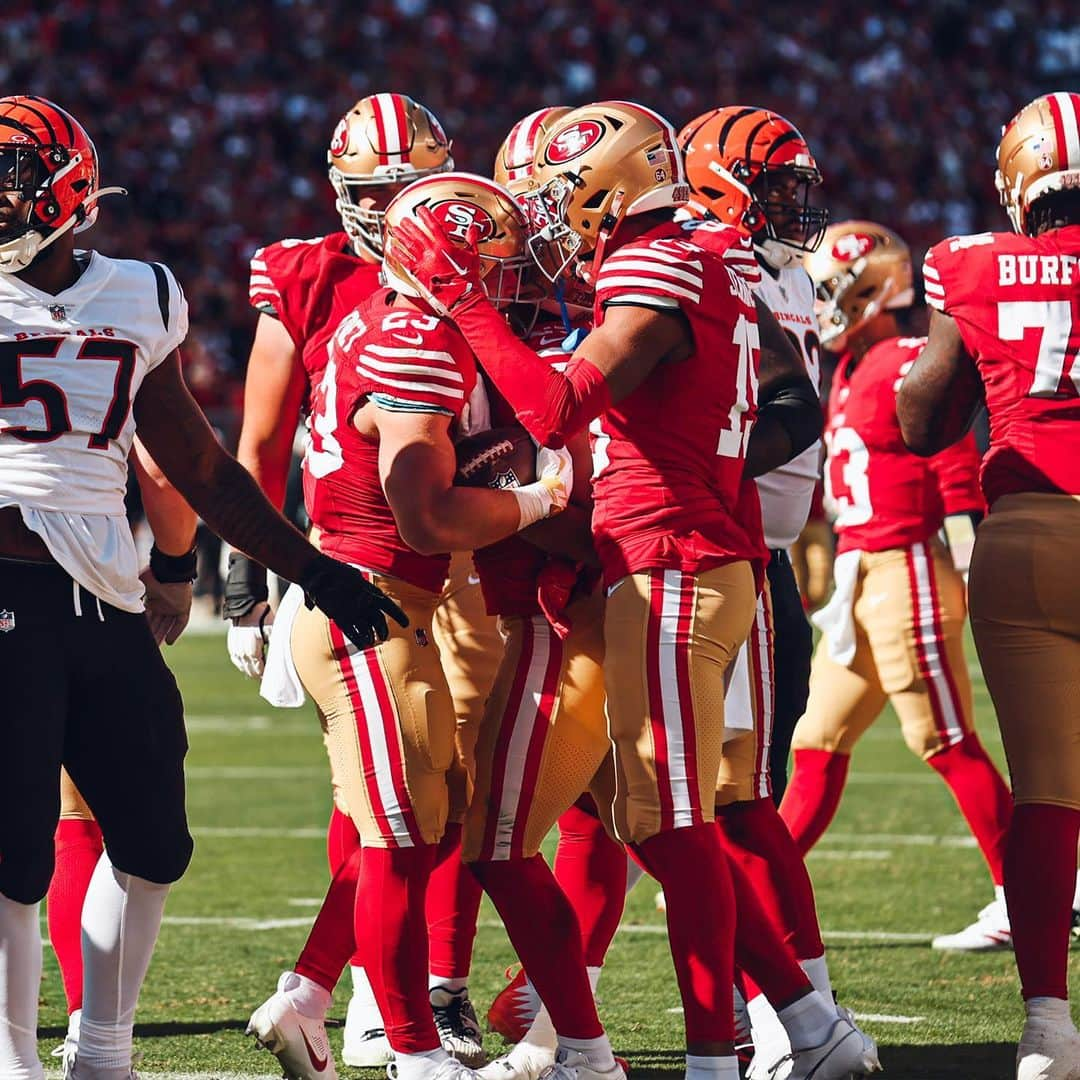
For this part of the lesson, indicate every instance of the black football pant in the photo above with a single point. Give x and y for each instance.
(83, 684)
(793, 647)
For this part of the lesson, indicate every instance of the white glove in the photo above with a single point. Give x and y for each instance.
(248, 637)
(168, 607)
(549, 493)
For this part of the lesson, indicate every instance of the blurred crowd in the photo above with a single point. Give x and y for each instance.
(216, 116)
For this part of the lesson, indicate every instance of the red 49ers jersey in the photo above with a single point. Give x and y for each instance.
(311, 285)
(406, 362)
(1016, 303)
(880, 494)
(508, 570)
(666, 489)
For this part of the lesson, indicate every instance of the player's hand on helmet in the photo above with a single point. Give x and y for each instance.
(550, 491)
(446, 274)
(249, 636)
(168, 607)
(345, 596)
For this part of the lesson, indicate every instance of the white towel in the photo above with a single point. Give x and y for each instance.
(836, 620)
(738, 712)
(280, 684)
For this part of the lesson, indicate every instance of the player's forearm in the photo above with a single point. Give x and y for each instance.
(459, 519)
(267, 460)
(550, 405)
(171, 519)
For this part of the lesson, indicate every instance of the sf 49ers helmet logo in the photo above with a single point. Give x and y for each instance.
(573, 141)
(458, 217)
(340, 138)
(853, 246)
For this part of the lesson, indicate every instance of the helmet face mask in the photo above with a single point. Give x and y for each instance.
(553, 243)
(784, 200)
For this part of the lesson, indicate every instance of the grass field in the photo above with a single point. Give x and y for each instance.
(896, 868)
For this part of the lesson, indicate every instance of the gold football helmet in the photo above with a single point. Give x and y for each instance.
(859, 270)
(514, 161)
(1039, 153)
(383, 142)
(460, 201)
(601, 164)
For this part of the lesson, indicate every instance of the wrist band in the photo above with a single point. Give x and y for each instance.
(173, 569)
(245, 586)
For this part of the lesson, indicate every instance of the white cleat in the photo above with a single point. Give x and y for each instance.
(456, 1023)
(1048, 1050)
(527, 1061)
(449, 1069)
(871, 1063)
(841, 1056)
(661, 902)
(573, 1066)
(297, 1041)
(990, 932)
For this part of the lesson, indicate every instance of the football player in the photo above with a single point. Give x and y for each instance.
(1005, 328)
(88, 349)
(751, 170)
(399, 385)
(671, 370)
(302, 290)
(893, 630)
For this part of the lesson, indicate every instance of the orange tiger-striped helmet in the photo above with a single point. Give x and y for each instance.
(382, 143)
(751, 168)
(1039, 154)
(514, 161)
(48, 159)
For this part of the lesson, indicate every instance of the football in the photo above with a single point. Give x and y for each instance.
(500, 458)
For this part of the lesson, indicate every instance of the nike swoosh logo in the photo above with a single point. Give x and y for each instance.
(318, 1063)
(410, 339)
(459, 269)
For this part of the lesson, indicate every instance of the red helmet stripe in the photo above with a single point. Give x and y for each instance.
(380, 129)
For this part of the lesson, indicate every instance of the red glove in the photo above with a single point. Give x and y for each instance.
(446, 274)
(554, 589)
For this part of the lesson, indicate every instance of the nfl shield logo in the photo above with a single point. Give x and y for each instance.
(7, 621)
(58, 312)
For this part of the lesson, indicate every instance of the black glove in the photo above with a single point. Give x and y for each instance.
(344, 595)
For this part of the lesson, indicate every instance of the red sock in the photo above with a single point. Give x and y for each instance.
(757, 840)
(453, 904)
(1040, 878)
(331, 943)
(693, 870)
(590, 868)
(78, 847)
(545, 933)
(982, 796)
(342, 840)
(391, 932)
(766, 962)
(813, 795)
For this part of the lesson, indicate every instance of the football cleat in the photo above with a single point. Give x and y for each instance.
(368, 1049)
(840, 1057)
(459, 1030)
(1048, 1050)
(297, 1041)
(990, 932)
(574, 1066)
(661, 902)
(871, 1061)
(515, 1006)
(527, 1061)
(1076, 924)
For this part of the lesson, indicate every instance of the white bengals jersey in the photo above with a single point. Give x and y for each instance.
(786, 493)
(70, 367)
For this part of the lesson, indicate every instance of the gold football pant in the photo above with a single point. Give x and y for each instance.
(1025, 614)
(744, 762)
(388, 719)
(670, 638)
(909, 612)
(544, 734)
(72, 804)
(470, 647)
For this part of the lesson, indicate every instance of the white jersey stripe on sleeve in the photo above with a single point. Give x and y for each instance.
(618, 265)
(641, 252)
(436, 355)
(405, 384)
(640, 282)
(410, 369)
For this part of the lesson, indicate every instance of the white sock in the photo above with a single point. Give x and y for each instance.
(20, 979)
(699, 1067)
(594, 978)
(73, 1025)
(770, 1038)
(1052, 1010)
(120, 922)
(634, 874)
(999, 895)
(453, 985)
(597, 1051)
(808, 1021)
(363, 1000)
(308, 998)
(542, 1031)
(417, 1066)
(816, 970)
(1076, 895)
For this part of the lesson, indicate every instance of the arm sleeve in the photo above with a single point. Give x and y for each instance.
(957, 471)
(550, 405)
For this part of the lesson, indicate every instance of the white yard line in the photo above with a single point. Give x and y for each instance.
(311, 832)
(866, 776)
(214, 724)
(885, 1018)
(899, 839)
(850, 856)
(256, 772)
